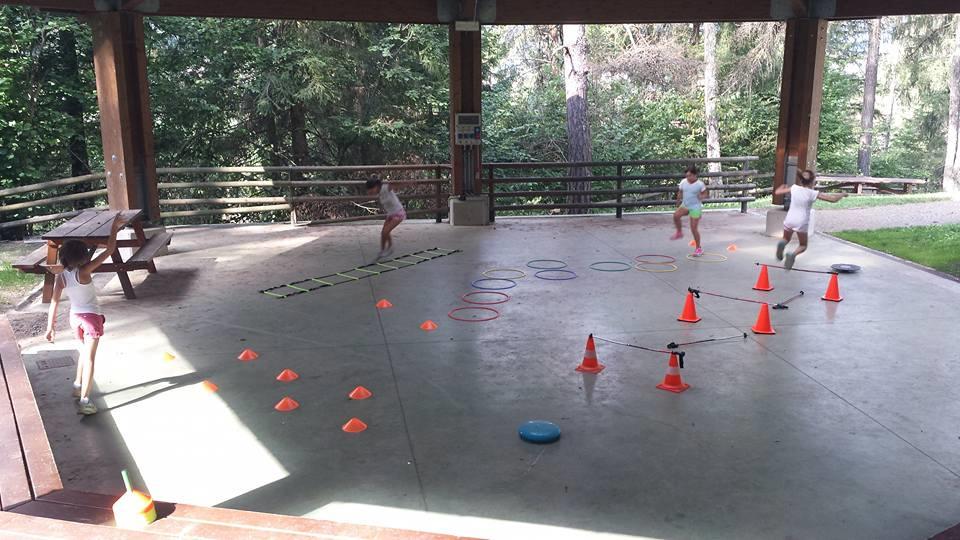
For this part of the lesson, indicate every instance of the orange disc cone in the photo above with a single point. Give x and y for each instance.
(731, 248)
(287, 375)
(360, 393)
(689, 313)
(763, 280)
(384, 304)
(286, 404)
(672, 381)
(429, 326)
(247, 355)
(692, 243)
(763, 326)
(167, 357)
(833, 290)
(209, 386)
(354, 425)
(589, 363)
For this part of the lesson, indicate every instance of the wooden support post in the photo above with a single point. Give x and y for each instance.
(800, 96)
(619, 190)
(126, 124)
(465, 87)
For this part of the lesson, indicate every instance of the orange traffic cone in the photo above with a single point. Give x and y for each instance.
(133, 510)
(384, 304)
(763, 326)
(429, 326)
(692, 243)
(286, 404)
(209, 386)
(589, 363)
(360, 393)
(167, 357)
(287, 375)
(731, 248)
(763, 280)
(354, 425)
(247, 355)
(672, 381)
(833, 290)
(689, 313)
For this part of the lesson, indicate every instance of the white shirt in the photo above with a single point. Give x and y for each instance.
(83, 296)
(800, 214)
(389, 201)
(691, 193)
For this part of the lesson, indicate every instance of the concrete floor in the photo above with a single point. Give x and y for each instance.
(843, 425)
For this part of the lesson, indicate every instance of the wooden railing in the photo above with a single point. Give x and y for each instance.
(646, 182)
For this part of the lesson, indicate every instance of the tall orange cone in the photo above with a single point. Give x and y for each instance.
(360, 393)
(589, 363)
(689, 313)
(354, 425)
(288, 375)
(247, 355)
(384, 304)
(763, 280)
(763, 326)
(672, 381)
(833, 290)
(429, 326)
(286, 404)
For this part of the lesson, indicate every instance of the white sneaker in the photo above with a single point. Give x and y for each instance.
(86, 408)
(781, 245)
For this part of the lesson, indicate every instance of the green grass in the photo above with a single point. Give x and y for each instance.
(935, 246)
(867, 201)
(14, 284)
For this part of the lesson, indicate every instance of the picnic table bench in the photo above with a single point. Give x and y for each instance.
(93, 228)
(882, 185)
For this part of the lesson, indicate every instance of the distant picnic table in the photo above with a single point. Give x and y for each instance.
(93, 228)
(882, 185)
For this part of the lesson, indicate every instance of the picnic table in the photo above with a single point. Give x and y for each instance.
(882, 185)
(93, 228)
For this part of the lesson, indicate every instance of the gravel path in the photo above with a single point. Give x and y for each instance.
(879, 217)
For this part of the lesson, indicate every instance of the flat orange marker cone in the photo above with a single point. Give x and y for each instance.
(731, 248)
(286, 404)
(354, 425)
(360, 393)
(384, 304)
(247, 355)
(763, 326)
(133, 510)
(689, 313)
(287, 375)
(429, 326)
(167, 357)
(763, 280)
(209, 386)
(833, 290)
(692, 243)
(672, 381)
(589, 363)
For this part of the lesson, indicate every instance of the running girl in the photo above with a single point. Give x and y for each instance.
(800, 216)
(691, 194)
(390, 204)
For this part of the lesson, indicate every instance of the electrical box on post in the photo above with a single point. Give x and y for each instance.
(467, 129)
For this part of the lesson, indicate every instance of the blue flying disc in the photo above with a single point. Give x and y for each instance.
(539, 431)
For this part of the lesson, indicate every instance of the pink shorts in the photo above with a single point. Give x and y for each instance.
(397, 216)
(87, 324)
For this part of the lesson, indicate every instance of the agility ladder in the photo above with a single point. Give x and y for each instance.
(349, 276)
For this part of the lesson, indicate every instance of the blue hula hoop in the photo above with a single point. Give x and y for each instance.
(475, 286)
(570, 273)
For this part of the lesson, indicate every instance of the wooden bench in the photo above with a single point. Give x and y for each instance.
(149, 250)
(31, 263)
(882, 185)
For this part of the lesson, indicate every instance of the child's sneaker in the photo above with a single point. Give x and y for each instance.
(789, 260)
(677, 235)
(781, 245)
(698, 252)
(86, 407)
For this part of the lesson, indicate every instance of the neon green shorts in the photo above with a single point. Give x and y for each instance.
(695, 213)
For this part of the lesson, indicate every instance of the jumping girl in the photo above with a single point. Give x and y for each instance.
(690, 194)
(800, 216)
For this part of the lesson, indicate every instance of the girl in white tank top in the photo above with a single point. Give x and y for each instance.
(75, 277)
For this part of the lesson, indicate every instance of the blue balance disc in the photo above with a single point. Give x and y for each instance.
(539, 431)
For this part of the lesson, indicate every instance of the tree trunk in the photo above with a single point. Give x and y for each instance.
(710, 95)
(869, 98)
(575, 71)
(892, 92)
(951, 166)
(298, 134)
(72, 106)
(273, 141)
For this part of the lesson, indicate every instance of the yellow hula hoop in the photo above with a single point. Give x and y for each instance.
(662, 268)
(486, 273)
(720, 257)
